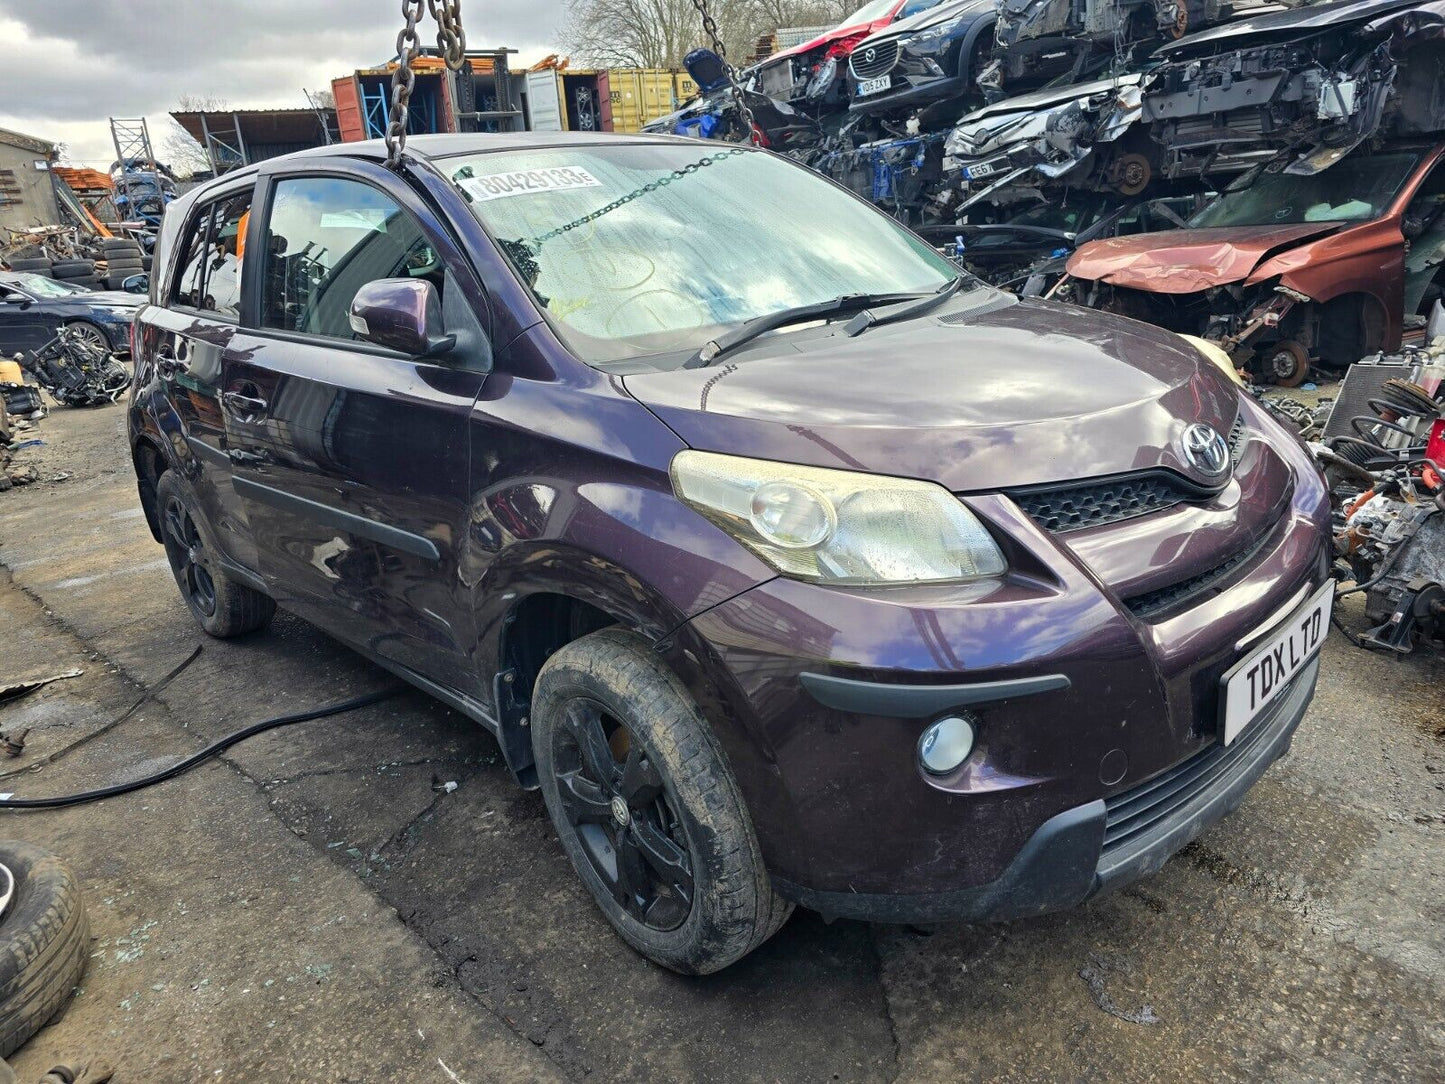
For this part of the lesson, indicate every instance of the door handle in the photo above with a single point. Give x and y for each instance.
(243, 404)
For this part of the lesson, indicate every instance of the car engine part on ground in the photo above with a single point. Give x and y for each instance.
(76, 370)
(44, 944)
(1388, 489)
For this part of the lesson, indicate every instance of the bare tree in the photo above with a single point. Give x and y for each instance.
(659, 33)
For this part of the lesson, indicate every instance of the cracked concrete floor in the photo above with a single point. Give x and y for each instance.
(1300, 939)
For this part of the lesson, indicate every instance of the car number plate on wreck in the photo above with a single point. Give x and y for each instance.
(874, 86)
(981, 170)
(1253, 683)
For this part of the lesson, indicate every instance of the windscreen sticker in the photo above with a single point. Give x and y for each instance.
(522, 181)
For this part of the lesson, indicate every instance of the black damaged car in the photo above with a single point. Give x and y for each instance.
(929, 59)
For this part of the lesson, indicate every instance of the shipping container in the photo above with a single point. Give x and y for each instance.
(603, 99)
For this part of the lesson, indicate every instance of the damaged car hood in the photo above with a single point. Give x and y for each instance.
(1186, 261)
(1290, 23)
(955, 399)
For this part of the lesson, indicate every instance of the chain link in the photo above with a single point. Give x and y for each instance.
(709, 26)
(653, 186)
(451, 41)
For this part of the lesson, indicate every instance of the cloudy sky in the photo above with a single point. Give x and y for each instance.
(70, 64)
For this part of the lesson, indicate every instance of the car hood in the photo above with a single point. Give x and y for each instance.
(825, 38)
(1015, 394)
(111, 297)
(1305, 19)
(935, 16)
(1044, 99)
(1186, 261)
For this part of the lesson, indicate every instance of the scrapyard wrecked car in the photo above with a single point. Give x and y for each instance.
(925, 64)
(813, 75)
(724, 503)
(1289, 268)
(1296, 89)
(714, 113)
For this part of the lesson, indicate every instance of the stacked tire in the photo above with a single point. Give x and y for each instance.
(30, 259)
(76, 272)
(122, 260)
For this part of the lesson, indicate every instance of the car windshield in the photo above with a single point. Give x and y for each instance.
(40, 286)
(869, 13)
(1355, 190)
(638, 248)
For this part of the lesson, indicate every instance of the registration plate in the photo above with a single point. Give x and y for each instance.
(1254, 682)
(874, 86)
(982, 169)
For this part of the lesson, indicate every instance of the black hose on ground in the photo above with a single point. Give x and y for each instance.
(214, 749)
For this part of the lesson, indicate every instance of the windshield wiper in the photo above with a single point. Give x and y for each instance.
(715, 348)
(868, 318)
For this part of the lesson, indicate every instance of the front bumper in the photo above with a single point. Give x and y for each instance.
(1094, 678)
(1101, 845)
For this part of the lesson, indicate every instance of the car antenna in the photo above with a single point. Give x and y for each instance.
(451, 41)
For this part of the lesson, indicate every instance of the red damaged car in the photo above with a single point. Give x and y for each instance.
(1290, 269)
(815, 73)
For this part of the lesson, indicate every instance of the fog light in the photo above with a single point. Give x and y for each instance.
(945, 745)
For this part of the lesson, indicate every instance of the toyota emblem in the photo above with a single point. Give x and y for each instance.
(1205, 450)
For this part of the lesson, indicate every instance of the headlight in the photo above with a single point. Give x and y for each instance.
(930, 37)
(838, 527)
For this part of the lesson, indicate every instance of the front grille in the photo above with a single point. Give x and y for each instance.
(1155, 604)
(1238, 437)
(1133, 812)
(874, 60)
(1075, 506)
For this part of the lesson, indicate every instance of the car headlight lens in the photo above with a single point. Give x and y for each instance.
(838, 527)
(932, 36)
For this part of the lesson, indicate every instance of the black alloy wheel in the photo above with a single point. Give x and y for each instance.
(615, 804)
(189, 557)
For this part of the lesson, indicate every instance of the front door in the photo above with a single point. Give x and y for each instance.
(24, 324)
(351, 458)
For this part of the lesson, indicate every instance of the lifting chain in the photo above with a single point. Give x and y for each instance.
(451, 40)
(709, 26)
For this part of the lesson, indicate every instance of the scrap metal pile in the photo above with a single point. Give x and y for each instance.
(1031, 138)
(1383, 452)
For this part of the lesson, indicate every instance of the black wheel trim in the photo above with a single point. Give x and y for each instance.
(645, 863)
(189, 557)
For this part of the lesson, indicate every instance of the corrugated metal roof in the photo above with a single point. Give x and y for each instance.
(299, 126)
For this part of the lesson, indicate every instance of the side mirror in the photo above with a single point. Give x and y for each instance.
(404, 315)
(136, 284)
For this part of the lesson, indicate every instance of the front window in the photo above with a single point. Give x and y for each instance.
(41, 288)
(1356, 190)
(637, 249)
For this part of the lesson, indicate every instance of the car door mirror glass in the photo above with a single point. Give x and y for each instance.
(137, 284)
(402, 315)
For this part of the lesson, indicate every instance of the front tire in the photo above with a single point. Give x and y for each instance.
(646, 807)
(220, 604)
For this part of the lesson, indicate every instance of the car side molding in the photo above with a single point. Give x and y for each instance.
(384, 533)
(918, 701)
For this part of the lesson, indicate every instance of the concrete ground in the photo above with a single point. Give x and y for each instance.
(311, 908)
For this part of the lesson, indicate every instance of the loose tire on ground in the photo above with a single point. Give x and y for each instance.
(612, 674)
(31, 264)
(221, 605)
(44, 940)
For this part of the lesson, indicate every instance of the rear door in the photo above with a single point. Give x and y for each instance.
(186, 338)
(352, 458)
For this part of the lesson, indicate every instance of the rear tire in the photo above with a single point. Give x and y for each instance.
(221, 605)
(679, 874)
(43, 943)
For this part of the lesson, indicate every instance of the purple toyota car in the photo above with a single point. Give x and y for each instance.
(791, 565)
